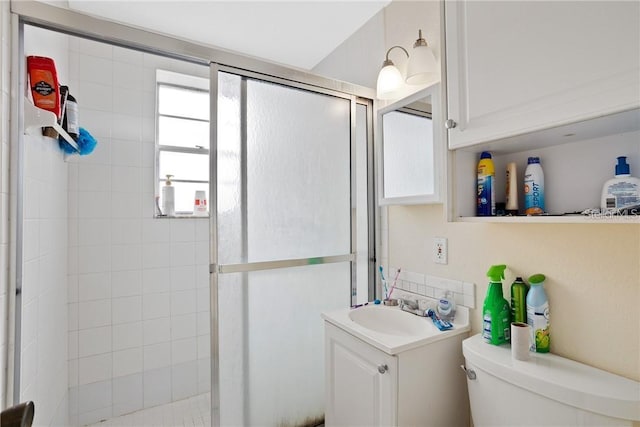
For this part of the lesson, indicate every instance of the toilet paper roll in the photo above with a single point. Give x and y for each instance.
(520, 340)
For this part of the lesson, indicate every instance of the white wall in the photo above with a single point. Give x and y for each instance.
(590, 268)
(138, 286)
(43, 369)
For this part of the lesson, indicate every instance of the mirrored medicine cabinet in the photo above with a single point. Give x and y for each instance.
(409, 149)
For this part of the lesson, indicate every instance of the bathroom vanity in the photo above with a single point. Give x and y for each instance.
(387, 367)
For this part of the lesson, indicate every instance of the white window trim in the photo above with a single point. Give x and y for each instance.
(190, 82)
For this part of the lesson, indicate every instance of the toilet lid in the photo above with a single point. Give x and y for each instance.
(558, 378)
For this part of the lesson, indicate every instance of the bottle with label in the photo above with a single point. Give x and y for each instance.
(538, 315)
(533, 187)
(168, 198)
(621, 192)
(519, 301)
(486, 192)
(446, 307)
(45, 91)
(69, 113)
(496, 315)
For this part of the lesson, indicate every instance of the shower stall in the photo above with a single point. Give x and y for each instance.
(125, 314)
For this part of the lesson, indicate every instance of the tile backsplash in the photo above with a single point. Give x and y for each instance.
(464, 293)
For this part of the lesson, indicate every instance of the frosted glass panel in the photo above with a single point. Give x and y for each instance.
(229, 169)
(284, 192)
(360, 293)
(276, 361)
(408, 154)
(298, 173)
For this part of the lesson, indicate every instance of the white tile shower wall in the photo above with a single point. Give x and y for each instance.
(44, 344)
(44, 298)
(5, 106)
(138, 286)
(433, 287)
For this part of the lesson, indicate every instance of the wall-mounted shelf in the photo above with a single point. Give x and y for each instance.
(554, 219)
(35, 117)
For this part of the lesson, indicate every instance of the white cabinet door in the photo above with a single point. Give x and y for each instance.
(361, 382)
(521, 66)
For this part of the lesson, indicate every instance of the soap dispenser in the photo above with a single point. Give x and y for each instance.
(168, 198)
(446, 307)
(620, 192)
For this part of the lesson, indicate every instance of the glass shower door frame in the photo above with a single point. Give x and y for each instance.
(215, 268)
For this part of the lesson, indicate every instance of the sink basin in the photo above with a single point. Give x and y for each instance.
(393, 330)
(389, 321)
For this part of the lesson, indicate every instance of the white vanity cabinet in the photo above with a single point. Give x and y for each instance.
(420, 386)
(517, 67)
(361, 382)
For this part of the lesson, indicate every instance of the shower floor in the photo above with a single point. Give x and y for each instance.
(193, 412)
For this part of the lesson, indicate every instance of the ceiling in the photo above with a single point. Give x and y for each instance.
(295, 33)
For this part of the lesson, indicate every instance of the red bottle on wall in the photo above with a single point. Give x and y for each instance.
(43, 80)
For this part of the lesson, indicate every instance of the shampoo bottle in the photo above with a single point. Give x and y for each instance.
(168, 198)
(496, 316)
(486, 204)
(620, 192)
(538, 315)
(533, 187)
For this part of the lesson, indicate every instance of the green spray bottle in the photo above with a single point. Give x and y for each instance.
(496, 315)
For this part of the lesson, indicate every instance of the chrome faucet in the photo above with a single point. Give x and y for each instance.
(411, 307)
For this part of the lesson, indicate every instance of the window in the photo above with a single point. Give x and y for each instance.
(182, 137)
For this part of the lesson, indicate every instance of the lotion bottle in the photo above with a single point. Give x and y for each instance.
(534, 187)
(168, 198)
(620, 192)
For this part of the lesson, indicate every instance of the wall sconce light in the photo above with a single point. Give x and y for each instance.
(389, 78)
(422, 63)
(421, 68)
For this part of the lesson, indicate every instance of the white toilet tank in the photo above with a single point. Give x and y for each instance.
(547, 390)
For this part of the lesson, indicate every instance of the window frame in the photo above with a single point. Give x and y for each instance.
(187, 82)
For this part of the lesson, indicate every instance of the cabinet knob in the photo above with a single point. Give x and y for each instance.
(450, 124)
(383, 368)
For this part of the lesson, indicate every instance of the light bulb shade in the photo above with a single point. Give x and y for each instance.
(389, 81)
(422, 66)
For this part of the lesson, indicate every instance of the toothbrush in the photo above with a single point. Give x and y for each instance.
(384, 281)
(394, 284)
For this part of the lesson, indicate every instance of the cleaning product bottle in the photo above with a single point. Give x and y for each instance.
(486, 204)
(511, 206)
(533, 187)
(168, 198)
(538, 315)
(496, 316)
(620, 192)
(446, 307)
(519, 301)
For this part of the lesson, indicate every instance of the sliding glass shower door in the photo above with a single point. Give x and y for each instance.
(281, 245)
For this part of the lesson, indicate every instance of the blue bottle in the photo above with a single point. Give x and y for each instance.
(486, 195)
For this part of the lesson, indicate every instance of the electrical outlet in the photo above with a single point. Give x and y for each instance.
(440, 250)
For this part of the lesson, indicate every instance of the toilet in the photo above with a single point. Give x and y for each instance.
(546, 390)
